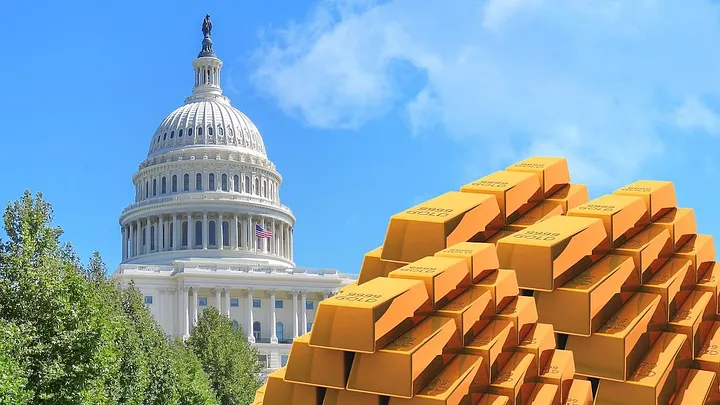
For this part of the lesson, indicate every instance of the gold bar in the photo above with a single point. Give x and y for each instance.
(521, 311)
(700, 249)
(438, 223)
(617, 347)
(680, 222)
(452, 386)
(502, 285)
(659, 196)
(481, 257)
(499, 235)
(580, 393)
(317, 366)
(471, 312)
(559, 371)
(692, 318)
(280, 392)
(369, 316)
(544, 394)
(541, 212)
(583, 304)
(516, 192)
(546, 255)
(373, 266)
(623, 216)
(403, 367)
(654, 381)
(260, 395)
(444, 277)
(345, 397)
(540, 342)
(695, 388)
(570, 196)
(709, 356)
(667, 282)
(490, 399)
(510, 382)
(648, 249)
(553, 173)
(495, 338)
(709, 282)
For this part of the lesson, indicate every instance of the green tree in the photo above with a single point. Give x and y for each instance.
(13, 375)
(96, 271)
(229, 360)
(193, 383)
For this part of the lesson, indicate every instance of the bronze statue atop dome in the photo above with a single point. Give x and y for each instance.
(207, 26)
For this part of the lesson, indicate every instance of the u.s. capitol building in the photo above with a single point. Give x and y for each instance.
(207, 227)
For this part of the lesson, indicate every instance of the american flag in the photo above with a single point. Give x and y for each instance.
(260, 232)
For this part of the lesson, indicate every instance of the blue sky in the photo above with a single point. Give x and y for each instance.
(366, 107)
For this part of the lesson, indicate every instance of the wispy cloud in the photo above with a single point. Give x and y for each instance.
(693, 114)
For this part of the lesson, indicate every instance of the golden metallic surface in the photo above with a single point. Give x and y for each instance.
(541, 212)
(622, 216)
(668, 281)
(471, 311)
(481, 257)
(516, 192)
(680, 223)
(695, 388)
(570, 196)
(710, 282)
(502, 285)
(519, 369)
(552, 172)
(373, 266)
(700, 249)
(521, 311)
(580, 393)
(345, 397)
(444, 277)
(317, 366)
(659, 196)
(648, 249)
(497, 337)
(540, 342)
(280, 392)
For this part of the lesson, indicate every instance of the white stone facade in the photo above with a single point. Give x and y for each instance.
(189, 239)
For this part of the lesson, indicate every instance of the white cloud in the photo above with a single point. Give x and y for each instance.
(591, 80)
(693, 114)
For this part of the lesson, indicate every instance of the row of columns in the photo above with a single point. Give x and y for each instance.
(168, 232)
(151, 187)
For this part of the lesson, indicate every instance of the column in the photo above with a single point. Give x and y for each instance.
(252, 240)
(124, 243)
(219, 228)
(273, 317)
(218, 302)
(251, 337)
(175, 231)
(186, 312)
(264, 241)
(196, 297)
(205, 231)
(191, 232)
(243, 233)
(234, 235)
(147, 236)
(273, 245)
(290, 243)
(295, 313)
(162, 235)
(138, 238)
(226, 291)
(303, 308)
(161, 309)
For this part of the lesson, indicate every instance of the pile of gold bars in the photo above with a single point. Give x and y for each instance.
(518, 290)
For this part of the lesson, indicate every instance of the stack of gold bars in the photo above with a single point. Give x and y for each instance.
(517, 290)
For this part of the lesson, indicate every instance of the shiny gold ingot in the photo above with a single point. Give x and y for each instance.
(546, 255)
(444, 277)
(373, 266)
(471, 311)
(345, 397)
(700, 249)
(259, 395)
(691, 319)
(281, 392)
(654, 382)
(541, 212)
(680, 222)
(317, 366)
(502, 285)
(559, 371)
(709, 356)
(495, 338)
(348, 287)
(438, 223)
(659, 196)
(695, 388)
(499, 235)
(521, 311)
(544, 394)
(583, 304)
(403, 367)
(369, 316)
(570, 196)
(580, 393)
(490, 399)
(710, 282)
(516, 192)
(667, 282)
(480, 257)
(646, 248)
(553, 173)
(616, 348)
(540, 342)
(452, 386)
(623, 216)
(510, 382)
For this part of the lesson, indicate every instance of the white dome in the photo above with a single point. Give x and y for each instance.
(207, 123)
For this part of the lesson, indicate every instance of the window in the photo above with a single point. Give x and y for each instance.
(180, 133)
(283, 360)
(202, 301)
(256, 330)
(278, 304)
(184, 240)
(279, 331)
(309, 326)
(257, 187)
(198, 182)
(309, 305)
(210, 131)
(236, 183)
(257, 303)
(174, 183)
(147, 189)
(235, 324)
(225, 233)
(189, 131)
(247, 184)
(171, 229)
(143, 236)
(163, 185)
(165, 136)
(199, 131)
(154, 187)
(212, 233)
(152, 238)
(234, 302)
(211, 182)
(198, 233)
(172, 134)
(220, 131)
(186, 182)
(224, 182)
(148, 299)
(264, 189)
(263, 358)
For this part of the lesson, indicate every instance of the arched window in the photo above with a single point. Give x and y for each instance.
(235, 324)
(226, 233)
(142, 229)
(210, 131)
(264, 188)
(186, 182)
(223, 182)
(198, 233)
(256, 330)
(172, 134)
(220, 131)
(171, 230)
(184, 239)
(189, 131)
(180, 133)
(147, 189)
(152, 238)
(211, 182)
(165, 136)
(257, 187)
(211, 234)
(163, 185)
(236, 183)
(198, 182)
(247, 184)
(279, 331)
(199, 131)
(174, 183)
(154, 187)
